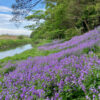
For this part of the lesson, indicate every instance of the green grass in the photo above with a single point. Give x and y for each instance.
(95, 49)
(35, 52)
(29, 53)
(9, 43)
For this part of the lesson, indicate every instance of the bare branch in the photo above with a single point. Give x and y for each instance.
(22, 8)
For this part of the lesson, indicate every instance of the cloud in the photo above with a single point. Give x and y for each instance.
(5, 20)
(8, 27)
(5, 17)
(14, 31)
(5, 9)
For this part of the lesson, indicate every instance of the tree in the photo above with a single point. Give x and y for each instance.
(22, 8)
(62, 18)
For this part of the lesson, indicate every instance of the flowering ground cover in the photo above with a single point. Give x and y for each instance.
(66, 75)
(29, 53)
(77, 40)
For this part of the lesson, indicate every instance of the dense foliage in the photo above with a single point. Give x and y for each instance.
(64, 18)
(79, 42)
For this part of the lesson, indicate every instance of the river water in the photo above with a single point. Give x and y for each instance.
(12, 52)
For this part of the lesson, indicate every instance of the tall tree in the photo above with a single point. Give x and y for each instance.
(22, 7)
(61, 17)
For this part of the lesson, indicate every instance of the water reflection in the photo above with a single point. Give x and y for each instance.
(12, 52)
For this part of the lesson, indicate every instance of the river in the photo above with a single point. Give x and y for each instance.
(12, 52)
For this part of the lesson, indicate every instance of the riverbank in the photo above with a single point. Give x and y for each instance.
(10, 43)
(29, 53)
(25, 55)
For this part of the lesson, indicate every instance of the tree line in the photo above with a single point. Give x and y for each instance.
(61, 18)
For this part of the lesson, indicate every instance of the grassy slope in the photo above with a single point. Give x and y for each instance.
(35, 52)
(29, 53)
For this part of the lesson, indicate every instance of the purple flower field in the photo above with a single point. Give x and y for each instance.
(90, 37)
(66, 75)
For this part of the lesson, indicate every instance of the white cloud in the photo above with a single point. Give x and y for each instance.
(8, 27)
(14, 31)
(5, 9)
(5, 17)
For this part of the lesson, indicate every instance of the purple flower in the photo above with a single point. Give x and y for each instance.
(87, 97)
(94, 97)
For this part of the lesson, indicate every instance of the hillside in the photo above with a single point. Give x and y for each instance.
(72, 73)
(60, 60)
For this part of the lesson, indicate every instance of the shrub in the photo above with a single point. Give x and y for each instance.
(69, 33)
(95, 49)
(21, 37)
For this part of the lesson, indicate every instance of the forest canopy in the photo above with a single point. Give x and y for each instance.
(60, 19)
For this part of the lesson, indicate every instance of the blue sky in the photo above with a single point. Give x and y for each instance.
(7, 27)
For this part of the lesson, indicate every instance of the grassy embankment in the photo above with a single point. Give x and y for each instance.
(8, 42)
(29, 53)
(35, 52)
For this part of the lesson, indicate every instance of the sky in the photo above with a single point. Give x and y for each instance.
(7, 27)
